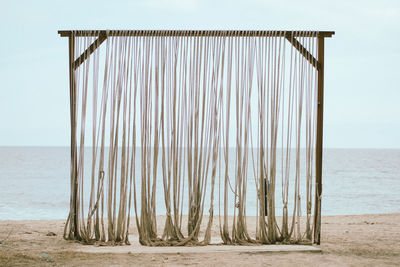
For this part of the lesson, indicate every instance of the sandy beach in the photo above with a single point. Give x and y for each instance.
(357, 240)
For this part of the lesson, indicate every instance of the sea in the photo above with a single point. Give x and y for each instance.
(35, 183)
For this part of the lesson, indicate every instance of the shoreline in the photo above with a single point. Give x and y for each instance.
(370, 239)
(205, 215)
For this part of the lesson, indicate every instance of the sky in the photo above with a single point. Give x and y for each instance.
(362, 69)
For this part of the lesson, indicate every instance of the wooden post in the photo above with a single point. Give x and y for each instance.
(74, 177)
(318, 161)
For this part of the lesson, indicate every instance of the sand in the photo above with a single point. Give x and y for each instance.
(356, 240)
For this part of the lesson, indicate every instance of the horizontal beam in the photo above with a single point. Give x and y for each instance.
(196, 33)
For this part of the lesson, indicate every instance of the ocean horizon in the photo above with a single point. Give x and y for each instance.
(35, 183)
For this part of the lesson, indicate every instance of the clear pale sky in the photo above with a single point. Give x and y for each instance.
(362, 71)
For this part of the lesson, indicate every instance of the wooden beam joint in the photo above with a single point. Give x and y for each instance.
(313, 61)
(90, 50)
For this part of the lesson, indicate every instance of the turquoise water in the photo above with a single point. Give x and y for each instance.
(34, 183)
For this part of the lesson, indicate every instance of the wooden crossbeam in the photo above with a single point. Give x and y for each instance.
(302, 50)
(235, 33)
(89, 50)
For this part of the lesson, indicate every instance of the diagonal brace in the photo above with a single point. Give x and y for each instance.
(89, 50)
(303, 50)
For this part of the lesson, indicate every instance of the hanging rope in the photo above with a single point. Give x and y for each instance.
(164, 110)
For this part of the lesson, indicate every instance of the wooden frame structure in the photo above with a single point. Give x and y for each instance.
(316, 60)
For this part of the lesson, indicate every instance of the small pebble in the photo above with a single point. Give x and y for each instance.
(46, 256)
(51, 234)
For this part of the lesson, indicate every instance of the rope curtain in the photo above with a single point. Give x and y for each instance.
(190, 124)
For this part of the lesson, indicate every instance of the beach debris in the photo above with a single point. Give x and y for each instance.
(3, 241)
(370, 223)
(46, 256)
(51, 234)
